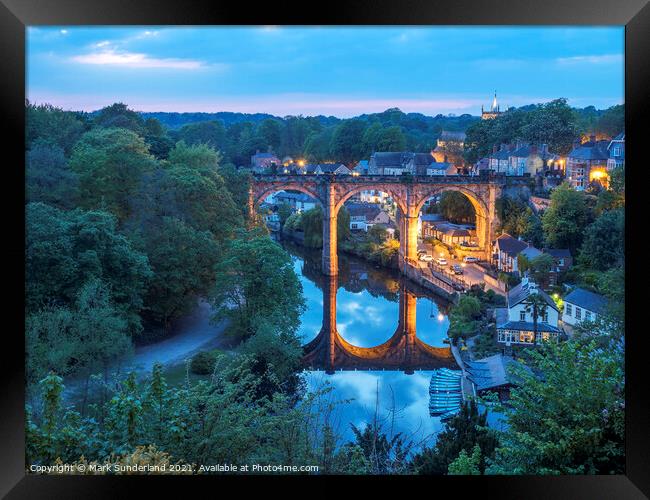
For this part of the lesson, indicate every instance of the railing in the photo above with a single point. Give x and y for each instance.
(439, 271)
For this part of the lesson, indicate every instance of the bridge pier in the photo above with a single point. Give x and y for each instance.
(330, 238)
(408, 240)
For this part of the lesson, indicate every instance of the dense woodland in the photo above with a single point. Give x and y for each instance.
(128, 222)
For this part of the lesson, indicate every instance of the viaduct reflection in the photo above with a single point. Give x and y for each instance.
(329, 351)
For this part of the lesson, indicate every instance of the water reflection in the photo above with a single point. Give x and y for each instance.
(359, 331)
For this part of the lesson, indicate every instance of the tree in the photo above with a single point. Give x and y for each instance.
(464, 431)
(47, 178)
(270, 132)
(391, 139)
(466, 465)
(212, 134)
(566, 218)
(456, 207)
(465, 318)
(118, 115)
(556, 427)
(64, 250)
(612, 121)
(347, 141)
(182, 260)
(110, 163)
(604, 242)
(53, 126)
(552, 123)
(284, 211)
(255, 285)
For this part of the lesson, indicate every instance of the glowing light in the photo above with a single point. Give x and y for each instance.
(441, 317)
(301, 163)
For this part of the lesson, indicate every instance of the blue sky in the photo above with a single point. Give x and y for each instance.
(340, 71)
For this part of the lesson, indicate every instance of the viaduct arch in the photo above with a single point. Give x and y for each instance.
(409, 193)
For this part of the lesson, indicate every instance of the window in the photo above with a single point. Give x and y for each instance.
(587, 315)
(545, 317)
(522, 315)
(526, 337)
(568, 309)
(578, 313)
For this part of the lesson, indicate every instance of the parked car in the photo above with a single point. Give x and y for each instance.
(468, 258)
(426, 258)
(457, 269)
(441, 261)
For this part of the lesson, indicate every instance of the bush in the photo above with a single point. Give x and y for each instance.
(203, 363)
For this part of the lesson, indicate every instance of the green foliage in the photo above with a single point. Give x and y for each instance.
(555, 427)
(64, 250)
(466, 465)
(612, 120)
(347, 141)
(203, 363)
(604, 242)
(48, 178)
(182, 260)
(118, 115)
(538, 268)
(456, 207)
(110, 163)
(565, 220)
(517, 219)
(465, 318)
(211, 134)
(464, 431)
(256, 285)
(53, 126)
(284, 212)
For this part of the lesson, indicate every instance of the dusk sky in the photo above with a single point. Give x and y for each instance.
(343, 71)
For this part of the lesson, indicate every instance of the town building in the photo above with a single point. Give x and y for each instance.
(450, 147)
(505, 252)
(616, 149)
(494, 111)
(327, 168)
(365, 215)
(523, 158)
(493, 374)
(587, 163)
(562, 262)
(262, 161)
(447, 232)
(582, 305)
(361, 168)
(299, 202)
(515, 324)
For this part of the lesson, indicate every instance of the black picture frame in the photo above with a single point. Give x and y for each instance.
(15, 15)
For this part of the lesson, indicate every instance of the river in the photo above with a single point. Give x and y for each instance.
(367, 311)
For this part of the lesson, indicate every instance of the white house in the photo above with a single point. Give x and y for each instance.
(515, 324)
(506, 249)
(582, 305)
(299, 202)
(365, 215)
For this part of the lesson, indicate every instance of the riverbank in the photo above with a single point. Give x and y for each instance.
(190, 335)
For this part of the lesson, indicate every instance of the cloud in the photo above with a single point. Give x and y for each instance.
(112, 57)
(592, 59)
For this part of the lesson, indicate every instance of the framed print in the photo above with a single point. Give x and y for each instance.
(380, 241)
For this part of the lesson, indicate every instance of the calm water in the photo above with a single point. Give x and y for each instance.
(367, 314)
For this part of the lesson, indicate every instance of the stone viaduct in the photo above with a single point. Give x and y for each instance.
(408, 192)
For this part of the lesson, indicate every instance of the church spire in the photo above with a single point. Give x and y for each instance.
(495, 106)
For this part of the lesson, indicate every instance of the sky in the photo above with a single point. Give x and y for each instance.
(339, 71)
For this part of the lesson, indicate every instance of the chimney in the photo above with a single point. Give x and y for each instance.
(544, 148)
(494, 148)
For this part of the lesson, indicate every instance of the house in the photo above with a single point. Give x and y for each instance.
(616, 149)
(361, 168)
(506, 249)
(426, 224)
(562, 261)
(365, 215)
(327, 168)
(448, 233)
(261, 161)
(515, 324)
(450, 145)
(388, 163)
(299, 202)
(534, 159)
(273, 221)
(586, 163)
(499, 160)
(493, 374)
(582, 305)
(373, 196)
(287, 160)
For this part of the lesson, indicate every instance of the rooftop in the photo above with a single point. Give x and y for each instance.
(587, 300)
(521, 292)
(591, 150)
(491, 372)
(510, 245)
